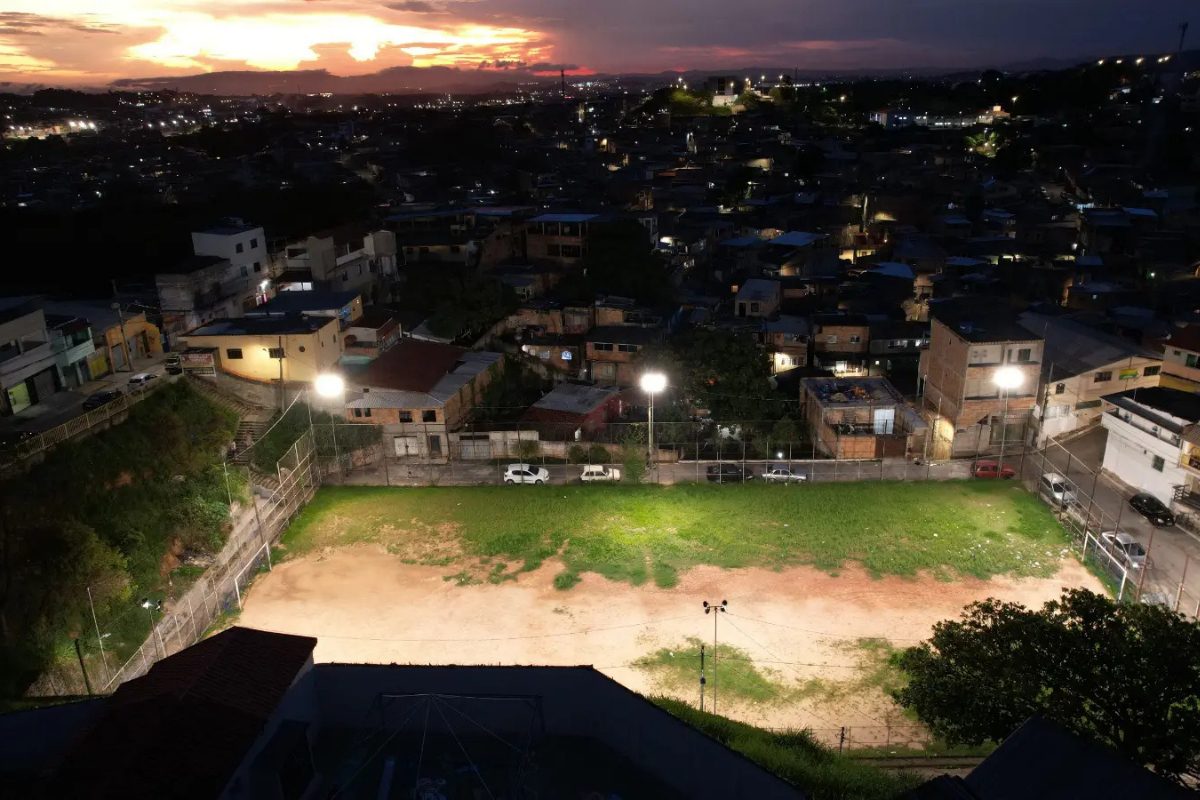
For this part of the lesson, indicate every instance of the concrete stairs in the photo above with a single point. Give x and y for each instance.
(253, 420)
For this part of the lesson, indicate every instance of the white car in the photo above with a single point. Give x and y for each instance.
(1129, 551)
(592, 474)
(1057, 489)
(525, 473)
(141, 379)
(781, 475)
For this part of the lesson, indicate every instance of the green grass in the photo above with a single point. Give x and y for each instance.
(797, 758)
(638, 533)
(735, 676)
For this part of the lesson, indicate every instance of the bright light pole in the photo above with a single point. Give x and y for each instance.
(330, 385)
(652, 384)
(1007, 379)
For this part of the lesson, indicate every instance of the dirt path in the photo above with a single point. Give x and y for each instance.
(367, 607)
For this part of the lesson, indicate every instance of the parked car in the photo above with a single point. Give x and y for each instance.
(98, 399)
(991, 469)
(1152, 509)
(1055, 488)
(1127, 549)
(782, 475)
(141, 379)
(525, 473)
(593, 474)
(174, 365)
(727, 473)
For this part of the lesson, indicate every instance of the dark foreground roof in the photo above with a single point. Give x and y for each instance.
(206, 704)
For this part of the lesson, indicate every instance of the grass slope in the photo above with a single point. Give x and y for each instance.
(797, 758)
(638, 533)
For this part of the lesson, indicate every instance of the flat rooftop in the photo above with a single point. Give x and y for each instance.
(288, 325)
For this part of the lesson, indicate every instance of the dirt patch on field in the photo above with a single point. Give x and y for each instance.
(801, 626)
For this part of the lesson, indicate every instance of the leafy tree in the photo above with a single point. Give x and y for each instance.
(726, 373)
(633, 454)
(1127, 676)
(464, 303)
(620, 260)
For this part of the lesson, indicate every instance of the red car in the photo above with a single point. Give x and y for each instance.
(990, 469)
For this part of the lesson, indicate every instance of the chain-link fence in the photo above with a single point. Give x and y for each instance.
(117, 648)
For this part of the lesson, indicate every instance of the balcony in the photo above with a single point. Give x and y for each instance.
(16, 367)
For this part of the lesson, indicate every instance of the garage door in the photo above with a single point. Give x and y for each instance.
(406, 446)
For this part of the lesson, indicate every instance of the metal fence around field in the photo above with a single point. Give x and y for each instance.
(218, 592)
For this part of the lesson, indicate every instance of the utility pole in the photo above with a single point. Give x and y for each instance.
(716, 610)
(116, 306)
(702, 672)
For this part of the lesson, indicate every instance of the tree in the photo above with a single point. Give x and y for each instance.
(633, 454)
(726, 373)
(1126, 676)
(621, 260)
(464, 303)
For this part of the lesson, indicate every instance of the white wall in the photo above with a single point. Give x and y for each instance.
(253, 242)
(1130, 452)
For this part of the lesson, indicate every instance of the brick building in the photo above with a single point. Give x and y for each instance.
(962, 401)
(573, 411)
(860, 418)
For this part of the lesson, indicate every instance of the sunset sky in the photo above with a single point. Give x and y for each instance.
(93, 42)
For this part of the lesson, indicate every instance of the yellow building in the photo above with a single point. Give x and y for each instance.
(294, 349)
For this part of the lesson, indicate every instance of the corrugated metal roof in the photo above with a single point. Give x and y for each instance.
(565, 218)
(796, 239)
(575, 398)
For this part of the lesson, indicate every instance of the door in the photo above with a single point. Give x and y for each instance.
(435, 446)
(45, 383)
(885, 420)
(118, 358)
(406, 446)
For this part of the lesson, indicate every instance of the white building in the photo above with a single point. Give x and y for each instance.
(28, 373)
(1147, 432)
(243, 246)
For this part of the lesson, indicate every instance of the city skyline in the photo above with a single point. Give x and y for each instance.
(67, 42)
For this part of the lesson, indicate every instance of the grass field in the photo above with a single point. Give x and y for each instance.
(640, 533)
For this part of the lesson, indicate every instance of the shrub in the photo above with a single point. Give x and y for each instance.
(577, 454)
(528, 449)
(597, 454)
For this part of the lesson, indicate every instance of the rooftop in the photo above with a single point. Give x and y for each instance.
(194, 264)
(623, 334)
(565, 218)
(1169, 402)
(796, 239)
(1074, 348)
(758, 289)
(285, 325)
(575, 398)
(295, 302)
(230, 230)
(415, 374)
(979, 323)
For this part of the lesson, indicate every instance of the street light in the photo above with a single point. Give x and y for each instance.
(652, 384)
(329, 385)
(1006, 379)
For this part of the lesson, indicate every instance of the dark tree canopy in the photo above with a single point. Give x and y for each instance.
(729, 374)
(1126, 676)
(620, 260)
(463, 303)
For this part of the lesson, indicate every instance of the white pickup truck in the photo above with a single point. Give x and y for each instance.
(594, 474)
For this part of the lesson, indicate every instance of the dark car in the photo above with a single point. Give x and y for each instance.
(1152, 509)
(990, 469)
(101, 398)
(727, 473)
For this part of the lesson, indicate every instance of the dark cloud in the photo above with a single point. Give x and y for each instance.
(415, 7)
(543, 66)
(18, 23)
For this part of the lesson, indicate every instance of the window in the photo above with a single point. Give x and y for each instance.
(404, 416)
(358, 412)
(254, 244)
(275, 352)
(553, 250)
(831, 339)
(1088, 404)
(233, 353)
(544, 355)
(367, 412)
(1059, 388)
(602, 346)
(245, 272)
(239, 247)
(1151, 371)
(855, 339)
(258, 266)
(1190, 361)
(572, 251)
(1102, 377)
(428, 416)
(1024, 355)
(1158, 463)
(753, 307)
(898, 343)
(627, 348)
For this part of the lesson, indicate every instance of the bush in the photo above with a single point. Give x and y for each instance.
(577, 454)
(598, 455)
(528, 449)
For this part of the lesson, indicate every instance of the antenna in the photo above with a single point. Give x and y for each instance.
(562, 73)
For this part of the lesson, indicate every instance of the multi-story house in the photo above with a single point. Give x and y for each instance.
(72, 343)
(757, 298)
(1081, 366)
(420, 392)
(28, 374)
(353, 258)
(292, 349)
(562, 239)
(786, 339)
(121, 335)
(962, 400)
(841, 342)
(243, 246)
(1181, 359)
(1151, 435)
(860, 418)
(611, 351)
(895, 350)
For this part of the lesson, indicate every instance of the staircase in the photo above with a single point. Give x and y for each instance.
(253, 420)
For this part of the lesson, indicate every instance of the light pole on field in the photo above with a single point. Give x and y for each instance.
(717, 610)
(652, 384)
(331, 385)
(1007, 379)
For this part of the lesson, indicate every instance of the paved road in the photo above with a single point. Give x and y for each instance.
(1172, 550)
(64, 406)
(459, 473)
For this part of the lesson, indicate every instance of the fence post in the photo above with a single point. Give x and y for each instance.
(192, 614)
(1182, 578)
